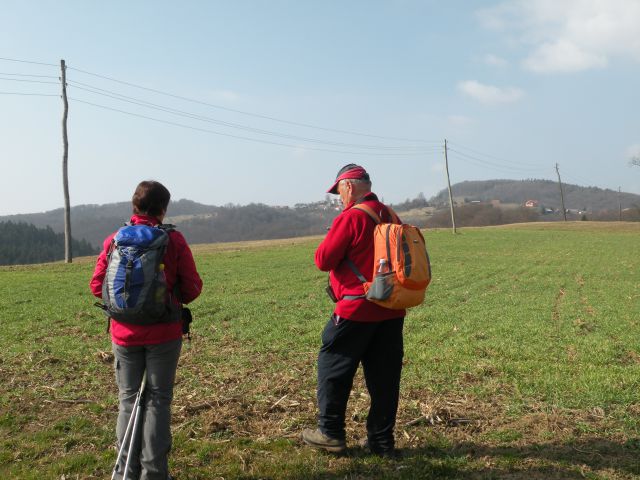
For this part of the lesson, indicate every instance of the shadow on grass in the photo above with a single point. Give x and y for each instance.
(573, 460)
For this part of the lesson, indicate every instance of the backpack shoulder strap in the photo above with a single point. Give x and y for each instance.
(394, 216)
(369, 211)
(167, 227)
(375, 217)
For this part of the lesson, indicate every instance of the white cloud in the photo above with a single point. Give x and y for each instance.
(633, 152)
(489, 94)
(569, 35)
(563, 56)
(494, 60)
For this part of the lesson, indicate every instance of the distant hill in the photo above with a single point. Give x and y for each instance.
(208, 223)
(21, 244)
(546, 192)
(94, 222)
(199, 223)
(254, 222)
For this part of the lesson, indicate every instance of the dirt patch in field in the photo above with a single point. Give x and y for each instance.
(536, 442)
(267, 405)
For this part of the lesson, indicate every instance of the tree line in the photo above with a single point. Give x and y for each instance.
(22, 243)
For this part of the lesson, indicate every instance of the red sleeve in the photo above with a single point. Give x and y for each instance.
(101, 269)
(334, 247)
(187, 277)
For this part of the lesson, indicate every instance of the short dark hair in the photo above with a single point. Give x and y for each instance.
(150, 198)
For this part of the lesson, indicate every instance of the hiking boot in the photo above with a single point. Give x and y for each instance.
(317, 439)
(390, 453)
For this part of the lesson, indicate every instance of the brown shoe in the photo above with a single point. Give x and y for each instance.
(317, 439)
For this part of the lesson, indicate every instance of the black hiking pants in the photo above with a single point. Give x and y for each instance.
(379, 347)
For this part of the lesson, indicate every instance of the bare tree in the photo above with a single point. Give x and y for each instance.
(635, 161)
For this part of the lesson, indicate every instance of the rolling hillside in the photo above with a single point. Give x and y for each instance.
(199, 223)
(209, 223)
(545, 192)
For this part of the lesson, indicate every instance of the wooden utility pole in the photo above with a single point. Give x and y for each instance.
(564, 210)
(68, 258)
(446, 164)
(619, 204)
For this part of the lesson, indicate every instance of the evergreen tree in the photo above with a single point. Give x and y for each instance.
(23, 243)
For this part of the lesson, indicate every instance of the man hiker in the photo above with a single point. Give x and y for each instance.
(358, 331)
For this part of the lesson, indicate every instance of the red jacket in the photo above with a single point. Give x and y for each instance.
(179, 267)
(351, 236)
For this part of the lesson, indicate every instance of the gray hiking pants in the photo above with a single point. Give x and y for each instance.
(151, 448)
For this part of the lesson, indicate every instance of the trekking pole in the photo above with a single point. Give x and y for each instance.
(130, 433)
(137, 411)
(125, 438)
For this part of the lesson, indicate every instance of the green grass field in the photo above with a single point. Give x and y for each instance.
(524, 362)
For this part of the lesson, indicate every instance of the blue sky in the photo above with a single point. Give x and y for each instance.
(514, 86)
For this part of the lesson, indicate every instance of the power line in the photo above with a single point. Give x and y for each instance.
(579, 180)
(144, 103)
(490, 156)
(28, 81)
(496, 169)
(417, 149)
(28, 75)
(576, 179)
(485, 163)
(266, 117)
(147, 104)
(34, 94)
(27, 61)
(239, 136)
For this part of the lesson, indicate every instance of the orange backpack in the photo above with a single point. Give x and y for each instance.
(401, 266)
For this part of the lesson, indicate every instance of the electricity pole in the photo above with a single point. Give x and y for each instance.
(619, 205)
(65, 178)
(446, 164)
(564, 211)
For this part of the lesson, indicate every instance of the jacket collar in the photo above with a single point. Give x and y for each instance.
(367, 198)
(144, 220)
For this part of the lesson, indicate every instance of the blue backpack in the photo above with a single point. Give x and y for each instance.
(134, 289)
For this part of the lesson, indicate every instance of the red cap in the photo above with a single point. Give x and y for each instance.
(350, 171)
